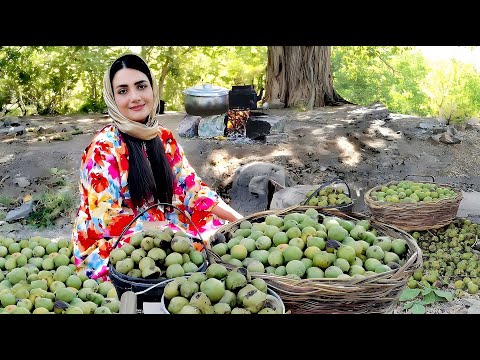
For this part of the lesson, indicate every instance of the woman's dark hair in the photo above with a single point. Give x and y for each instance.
(130, 61)
(146, 176)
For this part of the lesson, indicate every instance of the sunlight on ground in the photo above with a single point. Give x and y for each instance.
(303, 117)
(376, 143)
(85, 120)
(377, 125)
(349, 121)
(362, 110)
(317, 132)
(332, 126)
(222, 163)
(395, 116)
(6, 158)
(281, 152)
(348, 153)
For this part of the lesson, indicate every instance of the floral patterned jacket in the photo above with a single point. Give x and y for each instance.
(106, 207)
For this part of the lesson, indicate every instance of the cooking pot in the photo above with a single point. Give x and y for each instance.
(206, 100)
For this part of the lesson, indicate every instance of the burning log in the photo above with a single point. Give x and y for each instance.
(236, 123)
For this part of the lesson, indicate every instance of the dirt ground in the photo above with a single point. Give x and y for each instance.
(366, 146)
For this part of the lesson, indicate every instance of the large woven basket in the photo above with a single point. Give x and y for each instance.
(373, 294)
(415, 216)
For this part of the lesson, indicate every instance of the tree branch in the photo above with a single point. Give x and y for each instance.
(187, 50)
(387, 64)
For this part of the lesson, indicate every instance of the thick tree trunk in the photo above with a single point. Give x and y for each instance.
(301, 76)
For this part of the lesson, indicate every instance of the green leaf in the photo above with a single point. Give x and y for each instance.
(408, 305)
(426, 291)
(444, 294)
(418, 309)
(409, 294)
(429, 298)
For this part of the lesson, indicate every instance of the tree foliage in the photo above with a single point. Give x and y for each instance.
(49, 80)
(406, 82)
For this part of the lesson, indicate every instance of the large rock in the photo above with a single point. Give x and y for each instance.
(188, 127)
(12, 131)
(20, 212)
(260, 126)
(450, 136)
(211, 126)
(252, 188)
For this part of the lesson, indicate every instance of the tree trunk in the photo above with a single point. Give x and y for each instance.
(301, 76)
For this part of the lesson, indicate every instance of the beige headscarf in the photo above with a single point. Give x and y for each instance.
(136, 129)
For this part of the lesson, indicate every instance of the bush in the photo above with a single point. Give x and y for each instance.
(50, 205)
(92, 106)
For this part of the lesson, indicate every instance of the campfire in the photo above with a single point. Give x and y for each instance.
(237, 122)
(242, 122)
(242, 100)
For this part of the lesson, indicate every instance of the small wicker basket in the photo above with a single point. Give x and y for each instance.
(373, 294)
(415, 216)
(343, 207)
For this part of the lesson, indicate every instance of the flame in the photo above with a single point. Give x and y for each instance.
(237, 121)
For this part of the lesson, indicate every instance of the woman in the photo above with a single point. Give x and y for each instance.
(132, 164)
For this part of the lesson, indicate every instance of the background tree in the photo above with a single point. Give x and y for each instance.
(387, 74)
(301, 76)
(51, 80)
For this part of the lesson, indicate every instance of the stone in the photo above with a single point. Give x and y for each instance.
(12, 131)
(252, 189)
(472, 127)
(46, 130)
(260, 126)
(449, 139)
(437, 130)
(452, 130)
(188, 127)
(21, 181)
(212, 126)
(427, 125)
(20, 212)
(11, 121)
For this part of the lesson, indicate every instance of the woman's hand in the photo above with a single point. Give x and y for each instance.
(226, 212)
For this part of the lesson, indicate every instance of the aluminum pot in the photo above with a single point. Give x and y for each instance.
(206, 100)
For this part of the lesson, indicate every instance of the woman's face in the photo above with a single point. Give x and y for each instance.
(133, 94)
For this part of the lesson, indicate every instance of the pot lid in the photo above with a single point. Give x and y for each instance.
(206, 90)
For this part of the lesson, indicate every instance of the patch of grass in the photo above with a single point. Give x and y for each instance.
(3, 215)
(50, 205)
(58, 177)
(6, 201)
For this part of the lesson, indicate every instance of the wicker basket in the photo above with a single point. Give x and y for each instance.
(343, 207)
(415, 216)
(372, 294)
